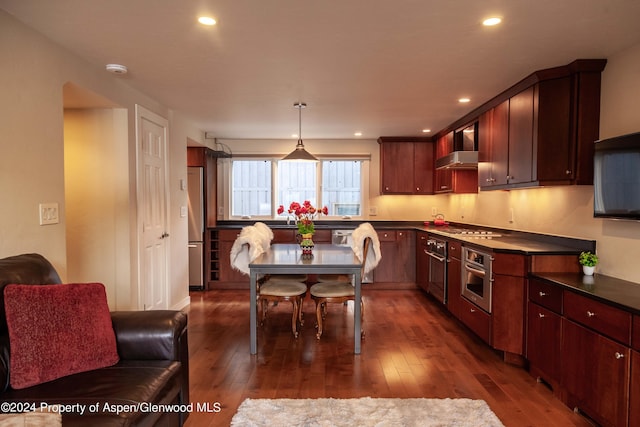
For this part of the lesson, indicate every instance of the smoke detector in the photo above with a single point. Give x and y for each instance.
(116, 69)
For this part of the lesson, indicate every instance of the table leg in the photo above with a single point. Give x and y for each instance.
(357, 313)
(253, 306)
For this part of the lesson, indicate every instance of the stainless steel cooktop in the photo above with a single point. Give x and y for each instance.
(470, 233)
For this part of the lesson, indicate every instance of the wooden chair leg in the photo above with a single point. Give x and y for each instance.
(295, 301)
(300, 314)
(319, 316)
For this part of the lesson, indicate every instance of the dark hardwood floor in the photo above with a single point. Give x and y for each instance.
(412, 348)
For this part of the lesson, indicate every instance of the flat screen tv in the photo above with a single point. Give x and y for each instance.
(616, 180)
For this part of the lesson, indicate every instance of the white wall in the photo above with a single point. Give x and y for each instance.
(32, 163)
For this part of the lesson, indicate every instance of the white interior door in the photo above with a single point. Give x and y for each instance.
(152, 131)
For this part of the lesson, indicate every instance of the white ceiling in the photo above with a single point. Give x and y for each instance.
(382, 67)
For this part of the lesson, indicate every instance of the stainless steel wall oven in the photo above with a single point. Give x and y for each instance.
(477, 278)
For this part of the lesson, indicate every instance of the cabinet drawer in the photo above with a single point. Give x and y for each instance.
(387, 236)
(455, 249)
(546, 294)
(610, 321)
(476, 320)
(635, 340)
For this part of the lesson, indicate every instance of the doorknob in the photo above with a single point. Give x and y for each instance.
(164, 235)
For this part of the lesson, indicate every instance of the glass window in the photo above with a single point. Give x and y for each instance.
(297, 182)
(336, 184)
(341, 187)
(251, 188)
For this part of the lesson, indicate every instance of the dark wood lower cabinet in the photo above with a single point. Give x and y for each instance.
(634, 393)
(229, 277)
(595, 374)
(397, 268)
(454, 280)
(543, 344)
(422, 260)
(476, 320)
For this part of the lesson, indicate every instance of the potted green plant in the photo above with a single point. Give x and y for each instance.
(588, 261)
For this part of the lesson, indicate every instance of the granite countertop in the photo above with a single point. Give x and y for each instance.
(621, 293)
(509, 241)
(523, 243)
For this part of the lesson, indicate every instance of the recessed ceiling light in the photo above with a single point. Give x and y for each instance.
(464, 100)
(116, 68)
(489, 22)
(426, 130)
(294, 135)
(358, 134)
(206, 20)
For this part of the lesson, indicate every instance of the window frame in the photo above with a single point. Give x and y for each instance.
(226, 177)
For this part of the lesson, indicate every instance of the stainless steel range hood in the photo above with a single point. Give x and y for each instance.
(458, 160)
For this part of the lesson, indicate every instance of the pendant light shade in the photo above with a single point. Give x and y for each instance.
(300, 153)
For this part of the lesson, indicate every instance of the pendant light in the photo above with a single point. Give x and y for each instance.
(300, 153)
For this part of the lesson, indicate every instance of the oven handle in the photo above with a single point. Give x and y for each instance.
(439, 258)
(480, 273)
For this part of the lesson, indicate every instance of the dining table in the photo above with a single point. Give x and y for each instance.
(283, 258)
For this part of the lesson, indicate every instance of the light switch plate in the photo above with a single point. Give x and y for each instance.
(49, 213)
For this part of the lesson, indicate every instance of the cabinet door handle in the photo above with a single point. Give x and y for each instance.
(568, 172)
(619, 355)
(540, 315)
(418, 189)
(542, 294)
(473, 310)
(590, 313)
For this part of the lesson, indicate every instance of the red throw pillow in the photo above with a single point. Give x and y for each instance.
(57, 330)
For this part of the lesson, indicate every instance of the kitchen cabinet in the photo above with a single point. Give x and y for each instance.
(422, 260)
(493, 146)
(543, 133)
(543, 332)
(229, 277)
(453, 180)
(634, 392)
(454, 278)
(508, 305)
(596, 358)
(476, 320)
(397, 268)
(520, 156)
(595, 374)
(406, 165)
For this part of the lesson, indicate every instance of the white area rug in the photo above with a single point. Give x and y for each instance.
(365, 411)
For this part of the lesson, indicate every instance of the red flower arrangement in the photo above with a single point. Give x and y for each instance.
(304, 215)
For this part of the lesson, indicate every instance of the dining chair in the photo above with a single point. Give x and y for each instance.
(246, 248)
(341, 291)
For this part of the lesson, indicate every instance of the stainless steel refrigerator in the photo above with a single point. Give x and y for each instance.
(195, 186)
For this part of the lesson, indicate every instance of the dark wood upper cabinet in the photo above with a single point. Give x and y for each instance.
(521, 106)
(204, 157)
(542, 130)
(406, 165)
(423, 168)
(493, 146)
